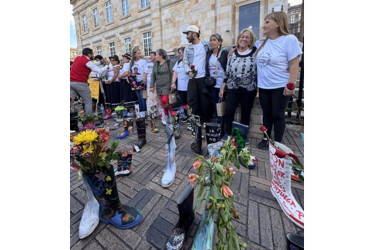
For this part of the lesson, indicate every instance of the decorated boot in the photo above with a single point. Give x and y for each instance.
(295, 241)
(240, 133)
(74, 118)
(177, 132)
(104, 188)
(213, 132)
(119, 113)
(127, 128)
(169, 174)
(280, 185)
(124, 166)
(178, 237)
(90, 216)
(196, 145)
(140, 127)
(108, 114)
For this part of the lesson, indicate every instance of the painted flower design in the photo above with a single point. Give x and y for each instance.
(108, 191)
(100, 176)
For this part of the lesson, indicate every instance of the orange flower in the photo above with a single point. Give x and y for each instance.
(197, 164)
(214, 159)
(232, 170)
(193, 178)
(226, 191)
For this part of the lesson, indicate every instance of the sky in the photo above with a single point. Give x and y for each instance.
(73, 36)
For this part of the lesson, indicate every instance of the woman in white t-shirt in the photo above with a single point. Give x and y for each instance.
(138, 72)
(180, 78)
(112, 86)
(277, 60)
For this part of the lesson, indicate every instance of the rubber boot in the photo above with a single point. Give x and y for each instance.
(126, 131)
(213, 132)
(104, 188)
(124, 166)
(196, 146)
(74, 118)
(240, 133)
(169, 174)
(140, 126)
(280, 185)
(108, 114)
(90, 216)
(295, 241)
(178, 237)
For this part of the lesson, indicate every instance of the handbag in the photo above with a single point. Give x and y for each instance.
(221, 107)
(172, 98)
(210, 82)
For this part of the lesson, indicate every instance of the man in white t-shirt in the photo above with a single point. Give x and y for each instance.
(194, 64)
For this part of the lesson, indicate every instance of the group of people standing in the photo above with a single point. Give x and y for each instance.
(205, 73)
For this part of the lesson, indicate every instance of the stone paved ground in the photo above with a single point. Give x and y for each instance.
(262, 223)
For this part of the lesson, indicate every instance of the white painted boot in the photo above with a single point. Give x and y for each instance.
(281, 184)
(171, 168)
(90, 216)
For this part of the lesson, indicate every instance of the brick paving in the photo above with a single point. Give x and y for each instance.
(262, 223)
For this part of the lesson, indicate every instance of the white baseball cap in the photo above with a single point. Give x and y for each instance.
(192, 28)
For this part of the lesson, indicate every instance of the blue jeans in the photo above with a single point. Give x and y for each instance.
(139, 94)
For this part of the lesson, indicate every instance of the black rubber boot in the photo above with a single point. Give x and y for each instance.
(140, 126)
(196, 146)
(74, 121)
(178, 237)
(295, 241)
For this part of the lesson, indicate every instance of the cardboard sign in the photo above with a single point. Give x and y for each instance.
(94, 87)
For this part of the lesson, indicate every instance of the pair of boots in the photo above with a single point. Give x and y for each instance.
(178, 237)
(103, 204)
(128, 128)
(124, 166)
(141, 128)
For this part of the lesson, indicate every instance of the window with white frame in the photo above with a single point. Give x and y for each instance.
(112, 49)
(145, 3)
(108, 7)
(125, 7)
(98, 50)
(147, 39)
(96, 17)
(128, 45)
(84, 18)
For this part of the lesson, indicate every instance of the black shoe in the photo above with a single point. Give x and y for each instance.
(263, 144)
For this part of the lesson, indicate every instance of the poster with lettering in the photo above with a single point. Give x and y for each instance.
(280, 185)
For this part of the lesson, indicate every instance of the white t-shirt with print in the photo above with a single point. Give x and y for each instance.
(182, 76)
(149, 72)
(272, 61)
(125, 67)
(199, 59)
(216, 71)
(141, 66)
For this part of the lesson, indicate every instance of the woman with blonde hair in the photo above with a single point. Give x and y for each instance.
(277, 60)
(241, 80)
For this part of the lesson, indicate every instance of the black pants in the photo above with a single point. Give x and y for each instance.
(234, 97)
(199, 100)
(273, 104)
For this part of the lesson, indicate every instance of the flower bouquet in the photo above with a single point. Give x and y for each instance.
(217, 175)
(91, 157)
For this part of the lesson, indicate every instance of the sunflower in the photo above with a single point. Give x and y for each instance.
(86, 136)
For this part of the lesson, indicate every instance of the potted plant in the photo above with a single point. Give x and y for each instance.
(87, 119)
(91, 155)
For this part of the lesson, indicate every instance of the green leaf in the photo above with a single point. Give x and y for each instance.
(214, 191)
(219, 168)
(200, 200)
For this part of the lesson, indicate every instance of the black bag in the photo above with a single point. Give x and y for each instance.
(210, 82)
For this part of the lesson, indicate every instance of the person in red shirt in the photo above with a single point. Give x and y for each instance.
(80, 70)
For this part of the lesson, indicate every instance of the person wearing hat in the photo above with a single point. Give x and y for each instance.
(126, 94)
(194, 60)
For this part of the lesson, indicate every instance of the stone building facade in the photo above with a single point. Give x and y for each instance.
(73, 54)
(294, 19)
(116, 26)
